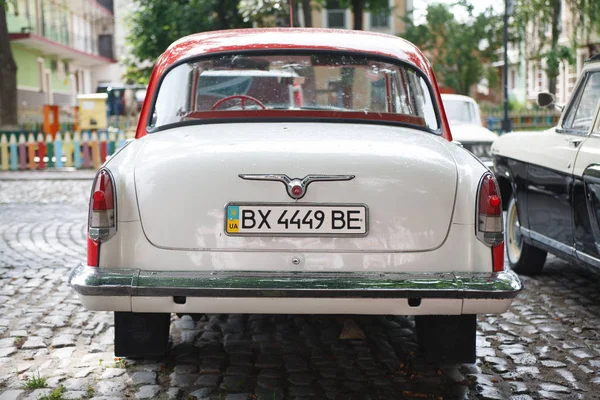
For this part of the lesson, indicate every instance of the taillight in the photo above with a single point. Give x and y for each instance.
(489, 226)
(102, 224)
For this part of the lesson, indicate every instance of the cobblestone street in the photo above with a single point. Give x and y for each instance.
(545, 347)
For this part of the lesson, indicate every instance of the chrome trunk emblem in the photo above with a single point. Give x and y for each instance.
(296, 187)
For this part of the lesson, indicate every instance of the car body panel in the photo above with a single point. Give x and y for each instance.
(586, 200)
(414, 169)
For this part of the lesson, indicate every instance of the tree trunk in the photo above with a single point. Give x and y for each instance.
(553, 74)
(358, 7)
(307, 11)
(8, 78)
(223, 23)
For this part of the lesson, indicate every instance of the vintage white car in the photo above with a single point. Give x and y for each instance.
(550, 182)
(352, 201)
(466, 126)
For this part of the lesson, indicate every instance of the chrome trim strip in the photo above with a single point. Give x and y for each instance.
(587, 258)
(555, 244)
(92, 281)
(291, 182)
(292, 234)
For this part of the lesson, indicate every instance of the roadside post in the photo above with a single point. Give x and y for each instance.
(68, 150)
(77, 149)
(102, 147)
(95, 146)
(111, 143)
(31, 151)
(3, 153)
(41, 150)
(22, 152)
(50, 150)
(58, 150)
(85, 146)
(13, 153)
(508, 10)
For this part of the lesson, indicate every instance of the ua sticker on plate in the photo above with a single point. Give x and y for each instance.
(233, 219)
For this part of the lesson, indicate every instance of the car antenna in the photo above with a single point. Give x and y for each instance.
(291, 14)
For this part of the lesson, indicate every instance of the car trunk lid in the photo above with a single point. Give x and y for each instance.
(186, 176)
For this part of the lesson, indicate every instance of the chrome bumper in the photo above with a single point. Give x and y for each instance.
(91, 281)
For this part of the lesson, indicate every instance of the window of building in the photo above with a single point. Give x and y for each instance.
(336, 15)
(380, 20)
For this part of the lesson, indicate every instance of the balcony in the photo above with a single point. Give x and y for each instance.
(60, 31)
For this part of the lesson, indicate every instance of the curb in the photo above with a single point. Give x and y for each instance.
(48, 175)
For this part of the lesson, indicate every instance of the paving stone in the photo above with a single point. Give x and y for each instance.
(63, 341)
(237, 396)
(75, 384)
(38, 393)
(174, 393)
(553, 387)
(201, 394)
(208, 380)
(148, 392)
(12, 395)
(7, 351)
(186, 369)
(182, 380)
(34, 342)
(63, 353)
(75, 395)
(143, 378)
(553, 364)
(110, 387)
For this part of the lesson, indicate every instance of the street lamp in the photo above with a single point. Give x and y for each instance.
(508, 10)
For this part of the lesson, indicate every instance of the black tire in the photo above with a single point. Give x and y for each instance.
(523, 258)
(141, 335)
(447, 338)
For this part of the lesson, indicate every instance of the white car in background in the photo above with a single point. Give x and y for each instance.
(466, 127)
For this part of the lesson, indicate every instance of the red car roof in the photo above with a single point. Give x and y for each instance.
(288, 38)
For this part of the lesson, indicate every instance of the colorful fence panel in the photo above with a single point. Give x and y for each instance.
(33, 151)
(530, 120)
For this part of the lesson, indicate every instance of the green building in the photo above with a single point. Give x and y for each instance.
(62, 48)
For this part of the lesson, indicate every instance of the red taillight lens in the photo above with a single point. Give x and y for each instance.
(498, 257)
(102, 224)
(489, 225)
(102, 207)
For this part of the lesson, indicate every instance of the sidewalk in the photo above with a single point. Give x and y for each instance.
(50, 174)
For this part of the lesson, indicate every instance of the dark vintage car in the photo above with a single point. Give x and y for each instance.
(550, 182)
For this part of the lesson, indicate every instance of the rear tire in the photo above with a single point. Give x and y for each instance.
(141, 335)
(522, 257)
(447, 338)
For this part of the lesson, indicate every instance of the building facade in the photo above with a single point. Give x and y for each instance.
(530, 72)
(60, 48)
(333, 15)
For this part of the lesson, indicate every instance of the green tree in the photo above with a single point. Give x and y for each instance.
(8, 73)
(269, 12)
(457, 50)
(155, 24)
(538, 23)
(586, 19)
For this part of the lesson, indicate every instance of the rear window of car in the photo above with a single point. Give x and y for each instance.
(323, 85)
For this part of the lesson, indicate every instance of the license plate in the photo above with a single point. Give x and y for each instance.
(272, 219)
